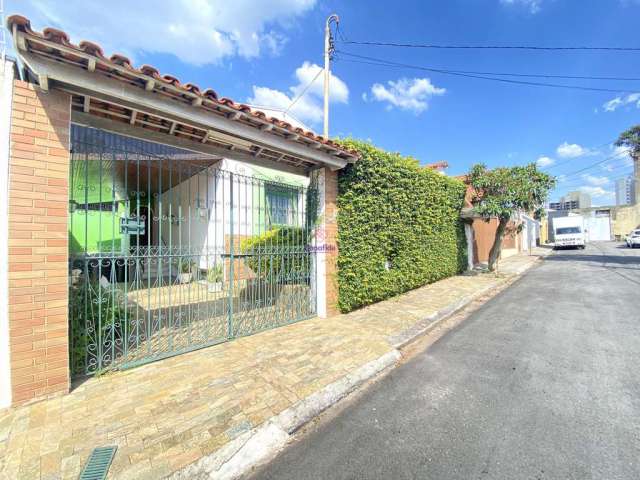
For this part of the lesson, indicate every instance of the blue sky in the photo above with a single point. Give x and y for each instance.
(266, 52)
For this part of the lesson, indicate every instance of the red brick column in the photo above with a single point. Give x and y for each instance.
(38, 251)
(331, 232)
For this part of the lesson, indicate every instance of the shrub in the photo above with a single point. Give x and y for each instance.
(279, 255)
(97, 315)
(399, 227)
(215, 274)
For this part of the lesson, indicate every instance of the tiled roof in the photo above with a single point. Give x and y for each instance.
(120, 67)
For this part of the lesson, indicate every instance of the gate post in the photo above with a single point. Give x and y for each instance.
(231, 246)
(38, 242)
(325, 245)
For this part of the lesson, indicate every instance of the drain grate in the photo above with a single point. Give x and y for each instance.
(98, 463)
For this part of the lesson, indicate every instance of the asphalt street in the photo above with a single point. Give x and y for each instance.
(542, 382)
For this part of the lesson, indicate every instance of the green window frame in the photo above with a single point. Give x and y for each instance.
(282, 205)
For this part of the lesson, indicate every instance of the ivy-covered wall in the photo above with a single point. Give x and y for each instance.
(399, 227)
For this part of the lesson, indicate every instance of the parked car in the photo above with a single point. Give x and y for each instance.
(633, 239)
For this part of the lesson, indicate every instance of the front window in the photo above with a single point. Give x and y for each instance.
(281, 204)
(567, 230)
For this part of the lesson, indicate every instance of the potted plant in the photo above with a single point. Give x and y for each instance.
(215, 276)
(186, 267)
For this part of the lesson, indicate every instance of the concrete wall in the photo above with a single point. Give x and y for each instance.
(624, 219)
(483, 236)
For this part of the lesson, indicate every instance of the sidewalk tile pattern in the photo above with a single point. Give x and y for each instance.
(164, 416)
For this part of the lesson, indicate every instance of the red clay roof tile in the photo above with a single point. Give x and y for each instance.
(58, 36)
(89, 48)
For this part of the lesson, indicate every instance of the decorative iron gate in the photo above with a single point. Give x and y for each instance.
(170, 253)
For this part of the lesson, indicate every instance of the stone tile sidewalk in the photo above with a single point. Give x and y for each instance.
(166, 415)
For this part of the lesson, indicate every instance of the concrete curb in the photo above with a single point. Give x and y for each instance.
(428, 323)
(256, 446)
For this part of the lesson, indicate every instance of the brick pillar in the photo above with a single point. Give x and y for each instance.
(331, 234)
(38, 251)
(324, 269)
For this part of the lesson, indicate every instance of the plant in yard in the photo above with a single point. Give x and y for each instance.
(502, 192)
(97, 318)
(186, 265)
(279, 255)
(215, 277)
(215, 274)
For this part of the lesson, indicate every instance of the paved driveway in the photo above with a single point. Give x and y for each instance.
(543, 382)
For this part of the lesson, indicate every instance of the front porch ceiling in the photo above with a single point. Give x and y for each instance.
(142, 101)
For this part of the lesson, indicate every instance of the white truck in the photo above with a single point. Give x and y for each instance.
(569, 232)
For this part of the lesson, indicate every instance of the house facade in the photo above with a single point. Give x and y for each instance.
(522, 234)
(148, 218)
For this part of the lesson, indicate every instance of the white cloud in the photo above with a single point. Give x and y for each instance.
(196, 31)
(623, 153)
(406, 94)
(619, 157)
(596, 180)
(532, 5)
(598, 192)
(308, 107)
(621, 101)
(545, 161)
(572, 150)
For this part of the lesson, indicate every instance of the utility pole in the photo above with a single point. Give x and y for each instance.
(328, 51)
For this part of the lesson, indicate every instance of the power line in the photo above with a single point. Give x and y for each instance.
(579, 179)
(600, 162)
(304, 90)
(541, 75)
(387, 63)
(490, 47)
(511, 74)
(578, 185)
(596, 148)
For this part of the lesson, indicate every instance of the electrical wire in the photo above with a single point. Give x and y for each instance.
(531, 75)
(304, 90)
(387, 63)
(596, 148)
(600, 162)
(490, 47)
(586, 183)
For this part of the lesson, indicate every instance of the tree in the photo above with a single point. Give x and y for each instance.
(504, 191)
(631, 139)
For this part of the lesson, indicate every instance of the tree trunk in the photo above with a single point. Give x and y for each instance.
(494, 253)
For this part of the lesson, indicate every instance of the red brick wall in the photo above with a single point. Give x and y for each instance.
(330, 239)
(38, 206)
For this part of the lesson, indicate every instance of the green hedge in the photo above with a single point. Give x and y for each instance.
(399, 227)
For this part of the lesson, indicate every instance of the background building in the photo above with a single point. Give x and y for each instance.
(572, 201)
(625, 191)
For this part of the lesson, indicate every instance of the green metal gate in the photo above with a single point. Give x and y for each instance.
(171, 253)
